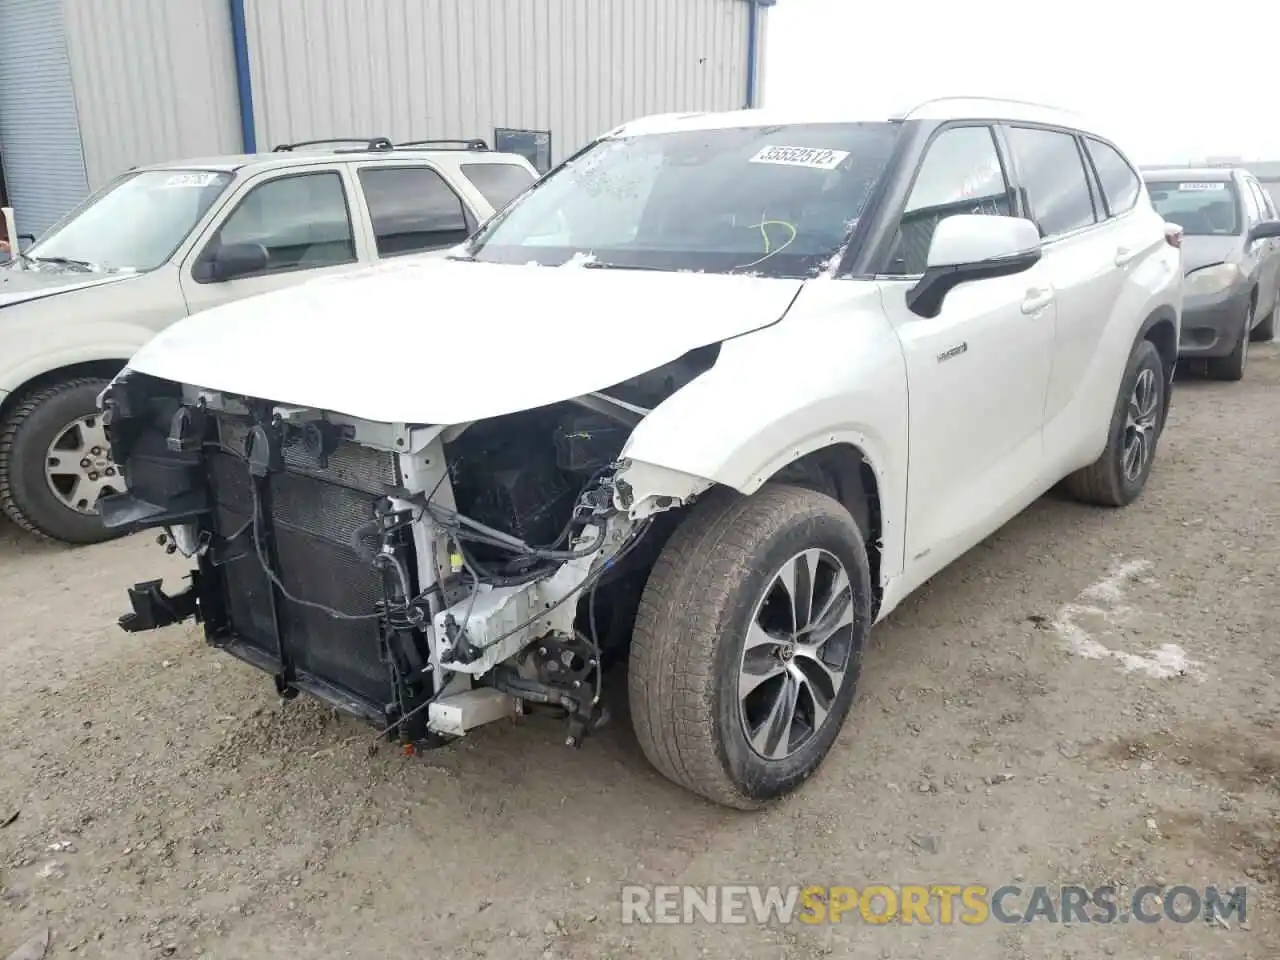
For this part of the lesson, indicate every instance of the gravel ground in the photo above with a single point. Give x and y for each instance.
(1090, 696)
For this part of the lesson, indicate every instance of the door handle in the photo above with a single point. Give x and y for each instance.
(1036, 300)
(1124, 255)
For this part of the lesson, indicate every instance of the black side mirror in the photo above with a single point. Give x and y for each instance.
(1266, 230)
(231, 260)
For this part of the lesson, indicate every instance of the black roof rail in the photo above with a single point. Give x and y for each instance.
(370, 143)
(473, 144)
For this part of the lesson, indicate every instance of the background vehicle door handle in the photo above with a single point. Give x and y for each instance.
(1036, 300)
(1124, 255)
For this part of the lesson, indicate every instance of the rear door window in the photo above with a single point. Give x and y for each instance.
(1120, 184)
(499, 183)
(1052, 173)
(412, 209)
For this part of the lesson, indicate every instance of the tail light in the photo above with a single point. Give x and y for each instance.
(1173, 234)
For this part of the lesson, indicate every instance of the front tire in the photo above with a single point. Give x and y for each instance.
(748, 643)
(55, 463)
(1266, 330)
(1231, 367)
(1117, 477)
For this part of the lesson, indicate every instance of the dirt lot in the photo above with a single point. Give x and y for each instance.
(204, 818)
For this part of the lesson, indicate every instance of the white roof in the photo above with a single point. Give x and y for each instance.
(945, 108)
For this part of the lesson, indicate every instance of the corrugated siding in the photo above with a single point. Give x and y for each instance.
(39, 138)
(411, 69)
(154, 81)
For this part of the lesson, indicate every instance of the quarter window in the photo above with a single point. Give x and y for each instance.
(1053, 176)
(302, 221)
(961, 174)
(1120, 185)
(412, 209)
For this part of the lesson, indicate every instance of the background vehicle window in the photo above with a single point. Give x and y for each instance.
(960, 173)
(1051, 172)
(1263, 201)
(1252, 208)
(499, 183)
(1120, 185)
(302, 221)
(1201, 208)
(412, 209)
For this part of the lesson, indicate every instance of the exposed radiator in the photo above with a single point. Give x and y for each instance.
(312, 514)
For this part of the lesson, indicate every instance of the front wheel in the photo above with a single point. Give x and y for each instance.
(748, 643)
(1117, 477)
(55, 463)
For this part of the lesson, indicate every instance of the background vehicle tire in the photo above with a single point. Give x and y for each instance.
(54, 462)
(713, 650)
(1231, 367)
(1266, 330)
(1117, 477)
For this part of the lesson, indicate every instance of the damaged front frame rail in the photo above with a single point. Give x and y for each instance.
(457, 653)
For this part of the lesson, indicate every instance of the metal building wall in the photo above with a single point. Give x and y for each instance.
(154, 80)
(411, 69)
(39, 140)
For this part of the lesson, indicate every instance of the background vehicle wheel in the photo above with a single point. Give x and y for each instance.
(55, 463)
(1117, 477)
(1266, 330)
(1231, 367)
(748, 643)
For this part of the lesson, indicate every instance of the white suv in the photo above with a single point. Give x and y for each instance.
(161, 242)
(712, 398)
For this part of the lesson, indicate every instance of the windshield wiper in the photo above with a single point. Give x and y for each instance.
(64, 262)
(605, 265)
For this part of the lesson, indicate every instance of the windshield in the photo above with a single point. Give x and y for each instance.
(776, 201)
(1201, 209)
(135, 223)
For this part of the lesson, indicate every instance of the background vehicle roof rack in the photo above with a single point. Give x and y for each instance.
(370, 143)
(473, 144)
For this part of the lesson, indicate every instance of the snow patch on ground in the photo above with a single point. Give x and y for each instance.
(1101, 606)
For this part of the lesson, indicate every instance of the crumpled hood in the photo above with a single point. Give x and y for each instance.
(18, 285)
(442, 342)
(1201, 251)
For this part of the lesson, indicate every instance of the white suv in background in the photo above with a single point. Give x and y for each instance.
(165, 241)
(729, 387)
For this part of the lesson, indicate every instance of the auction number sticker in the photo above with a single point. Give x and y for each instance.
(1201, 186)
(814, 157)
(190, 180)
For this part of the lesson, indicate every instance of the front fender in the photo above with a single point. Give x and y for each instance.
(831, 372)
(110, 322)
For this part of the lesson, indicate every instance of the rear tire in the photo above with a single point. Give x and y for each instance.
(27, 433)
(721, 579)
(1114, 480)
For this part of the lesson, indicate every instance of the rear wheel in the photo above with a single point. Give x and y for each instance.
(748, 643)
(55, 463)
(1117, 477)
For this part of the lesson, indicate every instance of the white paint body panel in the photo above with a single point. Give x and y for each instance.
(499, 335)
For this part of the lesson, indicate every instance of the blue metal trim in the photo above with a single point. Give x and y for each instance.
(753, 47)
(753, 51)
(244, 85)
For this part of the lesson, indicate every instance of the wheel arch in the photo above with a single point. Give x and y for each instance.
(844, 472)
(104, 369)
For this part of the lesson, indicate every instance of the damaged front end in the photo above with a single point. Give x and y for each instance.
(427, 579)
